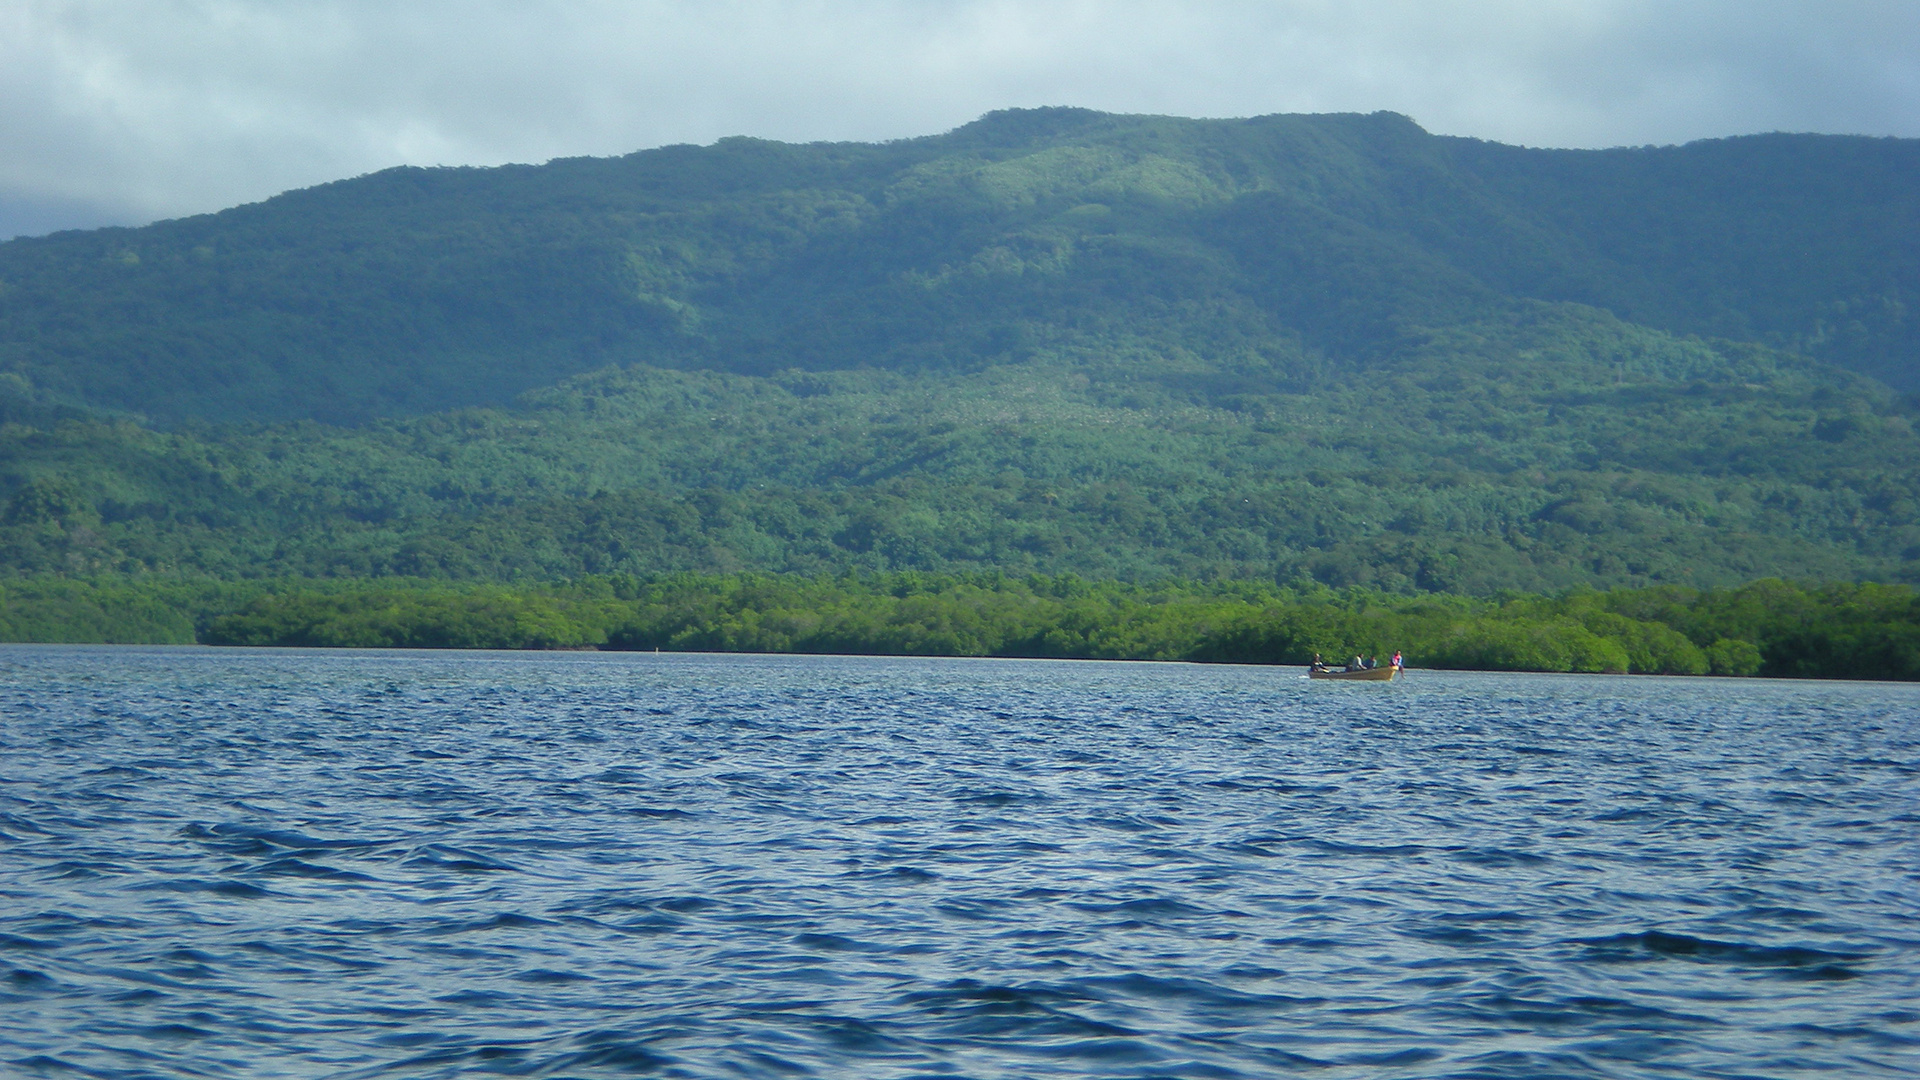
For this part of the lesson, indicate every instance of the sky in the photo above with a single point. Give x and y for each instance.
(126, 111)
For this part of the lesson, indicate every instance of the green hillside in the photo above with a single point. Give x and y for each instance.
(1053, 341)
(1556, 447)
(1325, 243)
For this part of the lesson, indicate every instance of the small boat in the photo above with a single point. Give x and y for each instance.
(1372, 674)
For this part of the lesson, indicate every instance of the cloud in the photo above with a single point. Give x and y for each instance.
(133, 109)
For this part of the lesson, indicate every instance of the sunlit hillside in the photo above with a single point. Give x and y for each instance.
(1329, 347)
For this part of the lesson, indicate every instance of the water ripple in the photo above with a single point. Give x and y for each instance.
(236, 864)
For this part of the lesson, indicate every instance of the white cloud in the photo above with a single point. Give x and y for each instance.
(147, 108)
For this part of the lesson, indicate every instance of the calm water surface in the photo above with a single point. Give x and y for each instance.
(262, 864)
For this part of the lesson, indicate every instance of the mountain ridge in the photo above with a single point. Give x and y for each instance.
(1050, 341)
(412, 290)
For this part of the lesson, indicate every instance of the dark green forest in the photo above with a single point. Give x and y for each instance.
(1307, 247)
(1765, 628)
(1281, 353)
(1614, 456)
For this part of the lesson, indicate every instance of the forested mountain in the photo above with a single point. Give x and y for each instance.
(1320, 243)
(1052, 340)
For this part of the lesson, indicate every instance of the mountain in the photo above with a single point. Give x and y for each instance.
(1050, 341)
(1326, 240)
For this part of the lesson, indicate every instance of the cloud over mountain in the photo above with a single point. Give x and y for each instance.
(127, 111)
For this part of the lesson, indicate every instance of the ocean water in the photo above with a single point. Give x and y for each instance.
(372, 864)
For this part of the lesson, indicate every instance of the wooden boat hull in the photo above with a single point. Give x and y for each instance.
(1379, 674)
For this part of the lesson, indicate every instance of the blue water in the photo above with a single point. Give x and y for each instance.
(265, 864)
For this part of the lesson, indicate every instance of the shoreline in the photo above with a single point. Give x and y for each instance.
(1769, 628)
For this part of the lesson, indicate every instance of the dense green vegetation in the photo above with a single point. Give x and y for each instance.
(1767, 628)
(1309, 246)
(1289, 349)
(1561, 450)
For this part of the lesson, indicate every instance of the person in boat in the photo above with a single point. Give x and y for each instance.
(1396, 659)
(1356, 664)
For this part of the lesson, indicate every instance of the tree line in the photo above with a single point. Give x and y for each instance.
(1766, 628)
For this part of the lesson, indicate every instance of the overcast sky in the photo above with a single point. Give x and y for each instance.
(131, 110)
